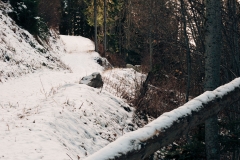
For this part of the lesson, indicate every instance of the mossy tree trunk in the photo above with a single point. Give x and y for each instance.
(212, 71)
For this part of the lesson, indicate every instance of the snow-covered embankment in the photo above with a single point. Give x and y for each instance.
(44, 112)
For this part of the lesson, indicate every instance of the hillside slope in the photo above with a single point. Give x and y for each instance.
(20, 53)
(44, 112)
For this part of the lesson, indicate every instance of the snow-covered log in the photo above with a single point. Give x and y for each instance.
(170, 126)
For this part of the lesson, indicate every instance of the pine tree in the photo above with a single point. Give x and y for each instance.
(26, 14)
(73, 19)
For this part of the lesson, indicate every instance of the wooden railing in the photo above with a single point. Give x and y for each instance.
(170, 126)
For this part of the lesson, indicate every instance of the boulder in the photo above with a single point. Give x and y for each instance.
(136, 67)
(93, 80)
(103, 62)
(129, 66)
(100, 61)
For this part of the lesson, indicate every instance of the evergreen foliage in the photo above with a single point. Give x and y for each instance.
(78, 19)
(50, 11)
(73, 19)
(25, 13)
(230, 132)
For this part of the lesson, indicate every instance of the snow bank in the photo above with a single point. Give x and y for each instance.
(76, 120)
(80, 55)
(48, 115)
(123, 82)
(20, 53)
(78, 45)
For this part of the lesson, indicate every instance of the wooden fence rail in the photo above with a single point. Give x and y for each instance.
(170, 126)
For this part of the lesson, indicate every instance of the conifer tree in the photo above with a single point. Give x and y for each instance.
(26, 14)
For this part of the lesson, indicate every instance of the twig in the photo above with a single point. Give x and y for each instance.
(56, 102)
(43, 88)
(81, 106)
(8, 126)
(69, 156)
(101, 89)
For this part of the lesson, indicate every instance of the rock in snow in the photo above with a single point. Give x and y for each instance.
(93, 80)
(44, 114)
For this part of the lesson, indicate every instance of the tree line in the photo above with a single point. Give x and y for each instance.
(170, 39)
(187, 47)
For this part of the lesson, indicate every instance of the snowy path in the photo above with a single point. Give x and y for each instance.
(27, 89)
(48, 115)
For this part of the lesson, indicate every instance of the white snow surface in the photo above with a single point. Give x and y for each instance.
(48, 115)
(44, 112)
(20, 52)
(123, 82)
(132, 141)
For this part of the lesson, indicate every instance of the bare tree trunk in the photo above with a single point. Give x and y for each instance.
(105, 27)
(69, 17)
(129, 18)
(212, 71)
(188, 56)
(95, 25)
(235, 36)
(150, 36)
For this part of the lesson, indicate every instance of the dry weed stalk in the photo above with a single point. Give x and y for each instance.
(44, 92)
(124, 88)
(8, 126)
(157, 100)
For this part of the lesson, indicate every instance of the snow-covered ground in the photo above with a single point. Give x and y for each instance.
(20, 52)
(48, 115)
(44, 112)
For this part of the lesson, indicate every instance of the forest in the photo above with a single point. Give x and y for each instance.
(185, 47)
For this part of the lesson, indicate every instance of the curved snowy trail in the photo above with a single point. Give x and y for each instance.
(48, 115)
(24, 91)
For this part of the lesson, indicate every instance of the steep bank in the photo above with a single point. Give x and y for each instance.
(20, 52)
